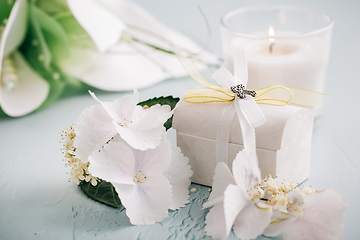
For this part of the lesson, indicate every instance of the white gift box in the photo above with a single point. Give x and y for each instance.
(283, 143)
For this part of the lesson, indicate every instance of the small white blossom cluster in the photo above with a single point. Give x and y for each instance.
(125, 144)
(275, 193)
(251, 205)
(79, 170)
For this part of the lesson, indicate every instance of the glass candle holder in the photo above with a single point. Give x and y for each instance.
(283, 45)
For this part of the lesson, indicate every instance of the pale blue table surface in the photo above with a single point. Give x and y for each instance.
(37, 202)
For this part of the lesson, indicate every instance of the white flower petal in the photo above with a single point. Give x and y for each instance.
(179, 174)
(133, 14)
(323, 217)
(147, 202)
(127, 104)
(296, 196)
(252, 221)
(163, 112)
(144, 134)
(246, 170)
(115, 163)
(15, 29)
(93, 129)
(120, 109)
(121, 70)
(99, 22)
(117, 138)
(153, 161)
(132, 65)
(235, 200)
(141, 128)
(30, 92)
(222, 179)
(278, 227)
(215, 222)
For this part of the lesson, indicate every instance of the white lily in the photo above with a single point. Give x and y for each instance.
(125, 35)
(104, 27)
(236, 200)
(22, 90)
(140, 128)
(148, 182)
(310, 215)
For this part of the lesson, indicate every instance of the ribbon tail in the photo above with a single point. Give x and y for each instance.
(252, 110)
(250, 117)
(223, 134)
(248, 131)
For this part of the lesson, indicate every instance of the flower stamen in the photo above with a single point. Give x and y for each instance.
(9, 77)
(139, 177)
(256, 194)
(125, 123)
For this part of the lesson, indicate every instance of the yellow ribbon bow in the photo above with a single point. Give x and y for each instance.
(277, 95)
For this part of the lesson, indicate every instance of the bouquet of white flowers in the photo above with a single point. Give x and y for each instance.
(54, 47)
(118, 154)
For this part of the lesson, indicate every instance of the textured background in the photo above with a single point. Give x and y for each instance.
(37, 202)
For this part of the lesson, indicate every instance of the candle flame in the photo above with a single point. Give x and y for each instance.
(271, 33)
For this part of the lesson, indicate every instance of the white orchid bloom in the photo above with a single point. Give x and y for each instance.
(236, 200)
(310, 215)
(140, 128)
(22, 90)
(148, 182)
(100, 23)
(131, 62)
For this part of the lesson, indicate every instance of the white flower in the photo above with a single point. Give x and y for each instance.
(140, 128)
(236, 200)
(314, 215)
(22, 90)
(179, 174)
(123, 32)
(148, 182)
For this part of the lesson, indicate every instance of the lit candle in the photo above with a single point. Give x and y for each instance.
(293, 51)
(296, 63)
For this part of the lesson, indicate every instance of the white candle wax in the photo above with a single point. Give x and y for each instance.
(296, 63)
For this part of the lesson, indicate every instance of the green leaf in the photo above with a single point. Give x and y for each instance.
(103, 192)
(52, 7)
(169, 100)
(5, 9)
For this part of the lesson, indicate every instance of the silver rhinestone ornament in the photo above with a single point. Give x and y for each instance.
(241, 92)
